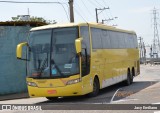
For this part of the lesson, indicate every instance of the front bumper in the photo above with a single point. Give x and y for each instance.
(68, 90)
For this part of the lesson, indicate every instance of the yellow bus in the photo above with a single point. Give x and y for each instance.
(78, 59)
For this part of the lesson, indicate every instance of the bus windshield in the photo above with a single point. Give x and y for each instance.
(52, 53)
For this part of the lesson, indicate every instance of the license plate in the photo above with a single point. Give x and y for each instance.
(51, 91)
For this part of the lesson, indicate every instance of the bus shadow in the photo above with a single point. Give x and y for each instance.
(105, 95)
(136, 87)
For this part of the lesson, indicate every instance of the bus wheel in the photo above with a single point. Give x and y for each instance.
(133, 74)
(52, 98)
(96, 88)
(129, 78)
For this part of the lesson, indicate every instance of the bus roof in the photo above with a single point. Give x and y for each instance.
(95, 25)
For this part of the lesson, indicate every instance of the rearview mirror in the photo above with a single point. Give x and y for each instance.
(78, 44)
(19, 50)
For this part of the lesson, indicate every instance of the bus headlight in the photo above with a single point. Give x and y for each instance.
(32, 84)
(73, 81)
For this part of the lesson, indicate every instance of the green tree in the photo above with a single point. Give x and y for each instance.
(33, 18)
(37, 19)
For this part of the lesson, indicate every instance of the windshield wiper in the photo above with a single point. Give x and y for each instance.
(57, 68)
(43, 65)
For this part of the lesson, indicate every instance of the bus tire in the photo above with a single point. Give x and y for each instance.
(133, 75)
(129, 80)
(96, 88)
(52, 98)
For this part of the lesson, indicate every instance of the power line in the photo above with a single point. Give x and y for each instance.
(106, 11)
(80, 15)
(65, 11)
(33, 2)
(104, 3)
(101, 9)
(93, 3)
(79, 8)
(99, 3)
(60, 3)
(112, 16)
(104, 17)
(109, 11)
(87, 8)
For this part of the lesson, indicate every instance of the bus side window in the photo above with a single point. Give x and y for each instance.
(85, 50)
(85, 65)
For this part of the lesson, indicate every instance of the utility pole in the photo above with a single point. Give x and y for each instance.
(140, 48)
(96, 9)
(156, 43)
(114, 25)
(28, 12)
(140, 44)
(96, 15)
(144, 51)
(108, 19)
(151, 51)
(71, 10)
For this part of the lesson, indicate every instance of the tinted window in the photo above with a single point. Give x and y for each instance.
(86, 41)
(106, 39)
(121, 40)
(96, 38)
(39, 53)
(127, 43)
(84, 33)
(112, 39)
(64, 60)
(135, 41)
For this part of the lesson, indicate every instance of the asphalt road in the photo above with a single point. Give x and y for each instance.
(145, 90)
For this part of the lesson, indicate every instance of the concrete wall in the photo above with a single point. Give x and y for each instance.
(12, 71)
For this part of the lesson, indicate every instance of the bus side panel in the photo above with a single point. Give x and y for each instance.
(97, 65)
(87, 84)
(115, 69)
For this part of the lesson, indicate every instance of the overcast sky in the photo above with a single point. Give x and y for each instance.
(132, 14)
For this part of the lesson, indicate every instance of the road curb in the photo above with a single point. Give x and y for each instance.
(14, 96)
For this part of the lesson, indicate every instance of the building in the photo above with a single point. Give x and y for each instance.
(13, 71)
